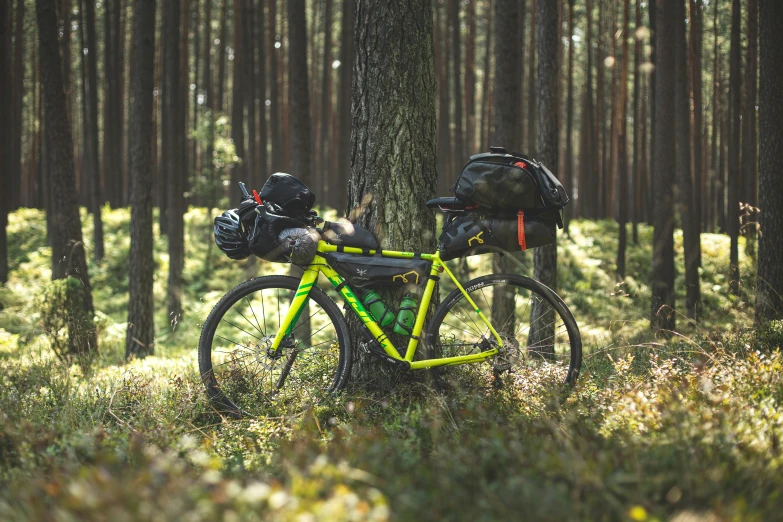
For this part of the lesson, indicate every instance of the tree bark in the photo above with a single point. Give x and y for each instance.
(700, 175)
(470, 81)
(325, 147)
(636, 211)
(459, 124)
(486, 85)
(299, 95)
(174, 128)
(140, 336)
(623, 174)
(263, 135)
(275, 96)
(91, 134)
(68, 253)
(238, 170)
(587, 183)
(663, 316)
(221, 78)
(545, 258)
(569, 145)
(769, 283)
(17, 88)
(346, 76)
(393, 163)
(749, 132)
(444, 112)
(690, 220)
(531, 85)
(734, 177)
(6, 131)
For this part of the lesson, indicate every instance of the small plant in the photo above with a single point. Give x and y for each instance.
(64, 320)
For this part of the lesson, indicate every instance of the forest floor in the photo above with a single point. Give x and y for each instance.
(686, 429)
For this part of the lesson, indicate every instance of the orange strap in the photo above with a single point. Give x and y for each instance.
(521, 230)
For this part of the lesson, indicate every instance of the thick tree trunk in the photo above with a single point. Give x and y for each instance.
(140, 338)
(507, 115)
(700, 175)
(299, 95)
(393, 163)
(769, 289)
(68, 253)
(91, 134)
(545, 258)
(716, 102)
(734, 177)
(663, 316)
(682, 130)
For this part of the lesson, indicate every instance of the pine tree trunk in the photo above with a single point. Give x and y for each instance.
(91, 134)
(545, 258)
(344, 106)
(623, 174)
(611, 172)
(569, 145)
(716, 102)
(486, 108)
(263, 135)
(174, 128)
(68, 253)
(275, 96)
(587, 198)
(663, 316)
(17, 88)
(600, 115)
(6, 130)
(682, 130)
(394, 164)
(459, 125)
(734, 175)
(532, 108)
(636, 211)
(700, 175)
(470, 81)
(140, 337)
(769, 289)
(238, 170)
(325, 148)
(221, 77)
(749, 132)
(299, 95)
(442, 69)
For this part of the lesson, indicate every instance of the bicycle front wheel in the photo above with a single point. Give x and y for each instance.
(540, 338)
(243, 377)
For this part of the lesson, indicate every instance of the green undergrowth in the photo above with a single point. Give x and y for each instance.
(687, 428)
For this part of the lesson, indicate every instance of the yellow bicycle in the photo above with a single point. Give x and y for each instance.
(273, 339)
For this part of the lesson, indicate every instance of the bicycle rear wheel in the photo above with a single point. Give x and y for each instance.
(541, 341)
(244, 378)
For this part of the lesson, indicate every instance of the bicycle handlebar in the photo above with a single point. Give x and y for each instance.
(245, 193)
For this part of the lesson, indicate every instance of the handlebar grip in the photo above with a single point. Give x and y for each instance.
(245, 193)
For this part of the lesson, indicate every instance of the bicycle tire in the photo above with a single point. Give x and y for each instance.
(216, 390)
(437, 332)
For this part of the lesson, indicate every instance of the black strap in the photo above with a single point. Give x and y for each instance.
(433, 277)
(340, 287)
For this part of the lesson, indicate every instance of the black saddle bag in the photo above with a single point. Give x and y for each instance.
(377, 271)
(474, 234)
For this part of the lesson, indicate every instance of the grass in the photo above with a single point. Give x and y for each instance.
(682, 429)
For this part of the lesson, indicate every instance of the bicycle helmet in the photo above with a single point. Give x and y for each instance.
(229, 237)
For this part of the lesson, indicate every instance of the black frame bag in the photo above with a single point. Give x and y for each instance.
(500, 181)
(376, 271)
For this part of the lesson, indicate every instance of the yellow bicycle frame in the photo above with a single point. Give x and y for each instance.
(319, 265)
